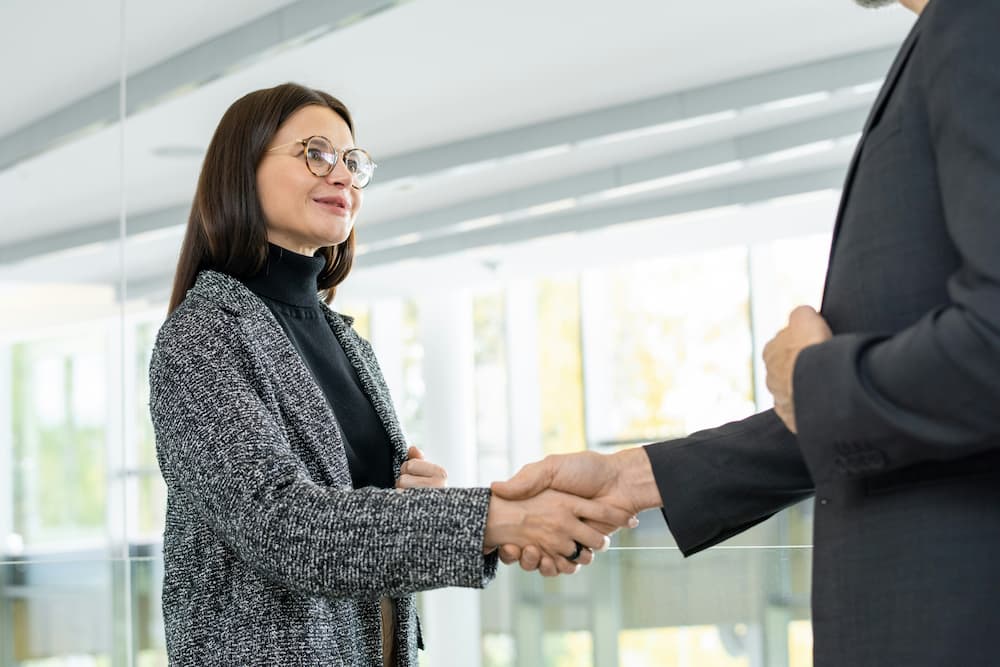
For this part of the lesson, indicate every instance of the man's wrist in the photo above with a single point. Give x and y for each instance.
(635, 476)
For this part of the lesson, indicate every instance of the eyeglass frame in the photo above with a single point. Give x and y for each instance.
(340, 157)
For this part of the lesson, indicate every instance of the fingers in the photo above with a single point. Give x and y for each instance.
(416, 472)
(802, 315)
(586, 557)
(547, 568)
(603, 513)
(607, 528)
(415, 482)
(810, 324)
(590, 538)
(553, 566)
(423, 468)
(414, 453)
(567, 567)
(510, 554)
(531, 558)
(529, 481)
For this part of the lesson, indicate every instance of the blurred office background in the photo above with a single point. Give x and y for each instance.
(587, 220)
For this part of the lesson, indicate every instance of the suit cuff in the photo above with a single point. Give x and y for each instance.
(833, 415)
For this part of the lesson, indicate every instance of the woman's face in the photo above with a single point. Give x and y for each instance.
(305, 212)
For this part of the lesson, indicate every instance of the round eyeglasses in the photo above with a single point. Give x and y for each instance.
(321, 158)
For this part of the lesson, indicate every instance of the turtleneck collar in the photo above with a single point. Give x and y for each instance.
(288, 277)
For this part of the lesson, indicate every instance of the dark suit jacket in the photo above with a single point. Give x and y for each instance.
(899, 414)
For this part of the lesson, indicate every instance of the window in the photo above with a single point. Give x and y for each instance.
(667, 347)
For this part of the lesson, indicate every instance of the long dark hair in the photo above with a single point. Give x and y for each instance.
(226, 230)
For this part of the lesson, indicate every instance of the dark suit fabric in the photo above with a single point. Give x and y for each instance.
(899, 414)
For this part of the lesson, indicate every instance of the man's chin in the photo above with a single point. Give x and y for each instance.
(875, 4)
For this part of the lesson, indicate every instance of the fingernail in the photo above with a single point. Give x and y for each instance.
(578, 566)
(606, 545)
(633, 522)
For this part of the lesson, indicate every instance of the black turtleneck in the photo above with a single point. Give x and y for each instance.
(287, 284)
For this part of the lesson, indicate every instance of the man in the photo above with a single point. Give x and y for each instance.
(887, 406)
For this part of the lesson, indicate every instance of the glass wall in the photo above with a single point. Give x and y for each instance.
(64, 579)
(566, 356)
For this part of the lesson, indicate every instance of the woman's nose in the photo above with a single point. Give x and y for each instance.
(340, 174)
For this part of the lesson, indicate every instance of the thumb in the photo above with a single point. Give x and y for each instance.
(811, 323)
(414, 453)
(529, 481)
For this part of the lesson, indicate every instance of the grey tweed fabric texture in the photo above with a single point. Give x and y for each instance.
(270, 556)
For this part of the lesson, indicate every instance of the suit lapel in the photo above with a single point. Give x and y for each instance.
(902, 57)
(892, 77)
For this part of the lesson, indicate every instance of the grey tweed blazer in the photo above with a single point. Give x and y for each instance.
(271, 557)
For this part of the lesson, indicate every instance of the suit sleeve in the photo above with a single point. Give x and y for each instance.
(722, 481)
(224, 453)
(932, 391)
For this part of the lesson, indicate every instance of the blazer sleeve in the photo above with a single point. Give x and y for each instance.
(222, 452)
(719, 482)
(932, 391)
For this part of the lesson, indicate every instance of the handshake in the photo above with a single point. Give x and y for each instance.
(554, 514)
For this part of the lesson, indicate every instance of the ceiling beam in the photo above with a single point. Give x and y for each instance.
(746, 147)
(220, 56)
(769, 88)
(582, 221)
(101, 232)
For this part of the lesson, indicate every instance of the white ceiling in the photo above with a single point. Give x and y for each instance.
(426, 73)
(53, 52)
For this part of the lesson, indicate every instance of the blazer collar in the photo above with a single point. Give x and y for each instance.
(233, 296)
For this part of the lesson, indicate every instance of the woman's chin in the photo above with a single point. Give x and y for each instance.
(336, 233)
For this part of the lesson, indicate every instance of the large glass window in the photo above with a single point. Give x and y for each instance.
(60, 419)
(667, 347)
(490, 381)
(598, 351)
(560, 365)
(411, 412)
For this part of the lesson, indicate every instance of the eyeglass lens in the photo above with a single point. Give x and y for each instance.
(321, 158)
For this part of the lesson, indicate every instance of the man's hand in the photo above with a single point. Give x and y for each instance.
(805, 327)
(624, 479)
(418, 472)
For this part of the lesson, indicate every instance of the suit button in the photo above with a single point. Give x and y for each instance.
(874, 460)
(823, 501)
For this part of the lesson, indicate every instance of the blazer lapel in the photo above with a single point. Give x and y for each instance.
(902, 57)
(234, 296)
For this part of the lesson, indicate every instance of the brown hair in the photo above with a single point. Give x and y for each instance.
(226, 230)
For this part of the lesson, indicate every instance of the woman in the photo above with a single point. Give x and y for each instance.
(285, 541)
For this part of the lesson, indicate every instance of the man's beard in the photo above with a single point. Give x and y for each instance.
(873, 4)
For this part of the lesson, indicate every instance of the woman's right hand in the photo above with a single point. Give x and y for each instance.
(553, 522)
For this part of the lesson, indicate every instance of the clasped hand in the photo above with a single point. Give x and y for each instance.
(603, 492)
(554, 514)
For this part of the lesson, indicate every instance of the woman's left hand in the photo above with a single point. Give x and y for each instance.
(419, 473)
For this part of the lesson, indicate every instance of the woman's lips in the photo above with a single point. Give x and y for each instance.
(336, 205)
